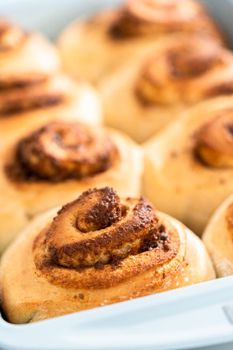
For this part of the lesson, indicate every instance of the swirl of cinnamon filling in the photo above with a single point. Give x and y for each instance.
(35, 91)
(28, 63)
(140, 17)
(22, 87)
(65, 150)
(100, 232)
(214, 144)
(11, 36)
(164, 76)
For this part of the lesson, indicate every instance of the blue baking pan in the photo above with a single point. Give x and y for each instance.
(191, 317)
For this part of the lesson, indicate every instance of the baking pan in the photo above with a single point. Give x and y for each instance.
(189, 317)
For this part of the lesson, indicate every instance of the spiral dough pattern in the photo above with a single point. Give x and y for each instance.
(98, 241)
(64, 150)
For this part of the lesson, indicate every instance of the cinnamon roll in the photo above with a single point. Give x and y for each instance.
(97, 250)
(218, 238)
(189, 166)
(51, 165)
(25, 57)
(32, 90)
(154, 88)
(95, 47)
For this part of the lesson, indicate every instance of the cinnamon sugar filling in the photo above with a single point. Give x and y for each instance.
(61, 151)
(145, 17)
(214, 141)
(98, 232)
(164, 76)
(22, 91)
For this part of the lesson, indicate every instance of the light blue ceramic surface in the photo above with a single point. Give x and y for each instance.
(50, 16)
(190, 317)
(185, 318)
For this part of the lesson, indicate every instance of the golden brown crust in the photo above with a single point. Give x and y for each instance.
(55, 163)
(60, 151)
(32, 88)
(155, 87)
(27, 108)
(28, 80)
(92, 253)
(28, 77)
(24, 55)
(137, 251)
(97, 47)
(198, 148)
(224, 87)
(148, 17)
(182, 71)
(21, 81)
(218, 237)
(26, 99)
(214, 141)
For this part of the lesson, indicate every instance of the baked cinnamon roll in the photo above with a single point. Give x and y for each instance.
(32, 90)
(218, 238)
(151, 91)
(95, 47)
(24, 56)
(189, 166)
(97, 250)
(51, 165)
